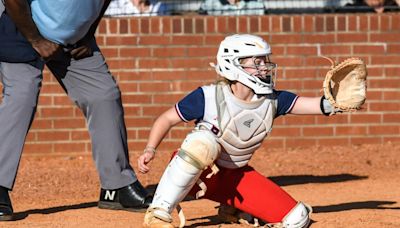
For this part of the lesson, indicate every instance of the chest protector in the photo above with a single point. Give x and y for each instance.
(240, 126)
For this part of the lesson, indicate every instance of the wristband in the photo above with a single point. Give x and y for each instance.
(325, 106)
(149, 148)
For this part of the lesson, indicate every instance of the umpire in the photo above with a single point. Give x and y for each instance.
(60, 35)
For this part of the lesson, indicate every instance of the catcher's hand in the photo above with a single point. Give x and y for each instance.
(345, 85)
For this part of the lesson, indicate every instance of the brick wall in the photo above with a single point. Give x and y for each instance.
(157, 60)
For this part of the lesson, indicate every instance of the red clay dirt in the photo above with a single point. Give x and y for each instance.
(354, 186)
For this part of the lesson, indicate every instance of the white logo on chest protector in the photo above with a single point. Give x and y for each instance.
(247, 123)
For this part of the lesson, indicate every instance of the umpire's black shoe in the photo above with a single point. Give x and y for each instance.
(132, 198)
(6, 210)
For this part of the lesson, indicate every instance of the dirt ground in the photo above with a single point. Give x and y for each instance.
(356, 186)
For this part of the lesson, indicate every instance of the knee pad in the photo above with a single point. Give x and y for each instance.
(200, 148)
(198, 151)
(298, 217)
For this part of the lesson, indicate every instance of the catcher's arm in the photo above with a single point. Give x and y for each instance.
(160, 128)
(307, 105)
(311, 106)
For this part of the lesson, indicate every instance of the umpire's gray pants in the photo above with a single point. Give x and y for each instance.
(90, 85)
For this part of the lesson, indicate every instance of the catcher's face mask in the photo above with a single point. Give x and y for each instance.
(257, 72)
(260, 69)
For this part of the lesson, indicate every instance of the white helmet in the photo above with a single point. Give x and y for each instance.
(236, 47)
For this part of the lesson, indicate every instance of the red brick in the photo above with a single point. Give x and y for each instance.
(387, 107)
(188, 26)
(188, 40)
(391, 95)
(374, 22)
(350, 130)
(113, 26)
(211, 25)
(285, 38)
(154, 40)
(254, 24)
(201, 51)
(385, 22)
(275, 24)
(309, 23)
(199, 25)
(222, 24)
(265, 24)
(365, 140)
(319, 38)
(286, 24)
(134, 52)
(336, 50)
(369, 49)
(70, 123)
(33, 147)
(153, 63)
(330, 24)
(156, 110)
(134, 25)
(77, 147)
(136, 99)
(352, 22)
(155, 25)
(283, 131)
(391, 118)
(341, 23)
(176, 25)
(123, 26)
(297, 24)
(364, 24)
(243, 25)
(166, 25)
(352, 37)
(385, 37)
(139, 121)
(393, 48)
(384, 130)
(293, 142)
(333, 141)
(53, 136)
(319, 24)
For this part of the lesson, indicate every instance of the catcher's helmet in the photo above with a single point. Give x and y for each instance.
(236, 47)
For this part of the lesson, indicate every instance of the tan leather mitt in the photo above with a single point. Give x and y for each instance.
(345, 85)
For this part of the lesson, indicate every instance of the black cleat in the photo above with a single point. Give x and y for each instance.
(6, 210)
(131, 198)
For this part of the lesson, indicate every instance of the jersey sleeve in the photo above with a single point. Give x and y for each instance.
(191, 107)
(286, 101)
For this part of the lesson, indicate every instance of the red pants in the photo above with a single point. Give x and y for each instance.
(248, 190)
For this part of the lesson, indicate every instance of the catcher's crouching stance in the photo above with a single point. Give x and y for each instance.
(233, 116)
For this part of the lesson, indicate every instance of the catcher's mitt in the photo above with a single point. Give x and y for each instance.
(345, 85)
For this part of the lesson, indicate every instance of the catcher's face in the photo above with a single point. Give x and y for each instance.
(259, 66)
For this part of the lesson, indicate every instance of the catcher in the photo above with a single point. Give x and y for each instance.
(232, 118)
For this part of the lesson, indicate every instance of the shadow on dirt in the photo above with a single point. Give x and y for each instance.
(307, 179)
(23, 214)
(355, 205)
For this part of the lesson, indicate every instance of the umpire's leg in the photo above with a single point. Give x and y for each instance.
(21, 86)
(90, 85)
